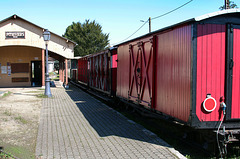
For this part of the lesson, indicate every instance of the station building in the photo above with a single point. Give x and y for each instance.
(22, 53)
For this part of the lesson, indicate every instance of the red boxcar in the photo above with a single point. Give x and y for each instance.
(83, 70)
(187, 71)
(98, 71)
(113, 71)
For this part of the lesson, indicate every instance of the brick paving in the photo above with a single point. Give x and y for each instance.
(75, 125)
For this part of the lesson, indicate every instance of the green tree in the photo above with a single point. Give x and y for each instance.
(231, 5)
(88, 36)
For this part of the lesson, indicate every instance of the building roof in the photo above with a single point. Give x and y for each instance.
(58, 46)
(18, 17)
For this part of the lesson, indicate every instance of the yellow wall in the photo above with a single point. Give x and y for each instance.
(17, 54)
(34, 37)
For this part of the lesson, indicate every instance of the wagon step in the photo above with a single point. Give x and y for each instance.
(233, 140)
(230, 135)
(233, 132)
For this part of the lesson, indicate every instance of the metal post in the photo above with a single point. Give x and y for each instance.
(149, 20)
(47, 79)
(226, 4)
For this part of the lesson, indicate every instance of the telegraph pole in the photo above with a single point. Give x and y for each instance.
(149, 20)
(226, 4)
(149, 23)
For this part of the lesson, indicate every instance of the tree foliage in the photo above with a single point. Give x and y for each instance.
(88, 36)
(231, 5)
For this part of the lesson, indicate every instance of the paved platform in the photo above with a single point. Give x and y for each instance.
(75, 125)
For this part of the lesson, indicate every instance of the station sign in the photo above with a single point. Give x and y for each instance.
(15, 34)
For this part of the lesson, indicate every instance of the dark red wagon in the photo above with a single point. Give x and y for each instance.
(98, 71)
(83, 70)
(188, 71)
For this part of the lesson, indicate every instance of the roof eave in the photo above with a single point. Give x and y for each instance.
(16, 16)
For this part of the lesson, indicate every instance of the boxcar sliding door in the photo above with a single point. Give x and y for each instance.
(211, 50)
(141, 79)
(233, 106)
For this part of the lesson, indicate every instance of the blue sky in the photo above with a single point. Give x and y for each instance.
(119, 18)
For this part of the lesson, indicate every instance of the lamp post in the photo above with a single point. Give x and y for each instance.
(46, 37)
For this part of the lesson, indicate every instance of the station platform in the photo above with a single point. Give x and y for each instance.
(75, 125)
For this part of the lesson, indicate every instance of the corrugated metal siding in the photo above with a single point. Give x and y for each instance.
(82, 69)
(123, 71)
(135, 71)
(236, 75)
(99, 71)
(173, 72)
(210, 68)
(134, 77)
(141, 71)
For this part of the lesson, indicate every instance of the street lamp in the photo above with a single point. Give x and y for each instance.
(46, 37)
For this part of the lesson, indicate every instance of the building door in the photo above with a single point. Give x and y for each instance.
(36, 78)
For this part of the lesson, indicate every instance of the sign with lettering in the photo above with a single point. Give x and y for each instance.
(15, 34)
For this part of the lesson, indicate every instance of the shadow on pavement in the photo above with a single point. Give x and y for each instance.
(108, 122)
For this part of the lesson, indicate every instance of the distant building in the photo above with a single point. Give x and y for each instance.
(22, 53)
(51, 64)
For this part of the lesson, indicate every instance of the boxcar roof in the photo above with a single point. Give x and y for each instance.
(200, 18)
(210, 15)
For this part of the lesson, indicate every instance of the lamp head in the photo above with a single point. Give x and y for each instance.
(46, 35)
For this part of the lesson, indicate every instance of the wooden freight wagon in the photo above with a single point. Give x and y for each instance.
(99, 70)
(83, 70)
(188, 71)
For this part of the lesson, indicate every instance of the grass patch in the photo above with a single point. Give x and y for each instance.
(55, 78)
(42, 96)
(5, 155)
(21, 119)
(52, 73)
(5, 120)
(8, 113)
(6, 94)
(17, 151)
(34, 91)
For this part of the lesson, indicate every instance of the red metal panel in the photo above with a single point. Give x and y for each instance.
(114, 71)
(141, 72)
(173, 72)
(123, 71)
(90, 77)
(74, 75)
(82, 69)
(99, 71)
(93, 70)
(210, 68)
(236, 75)
(114, 61)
